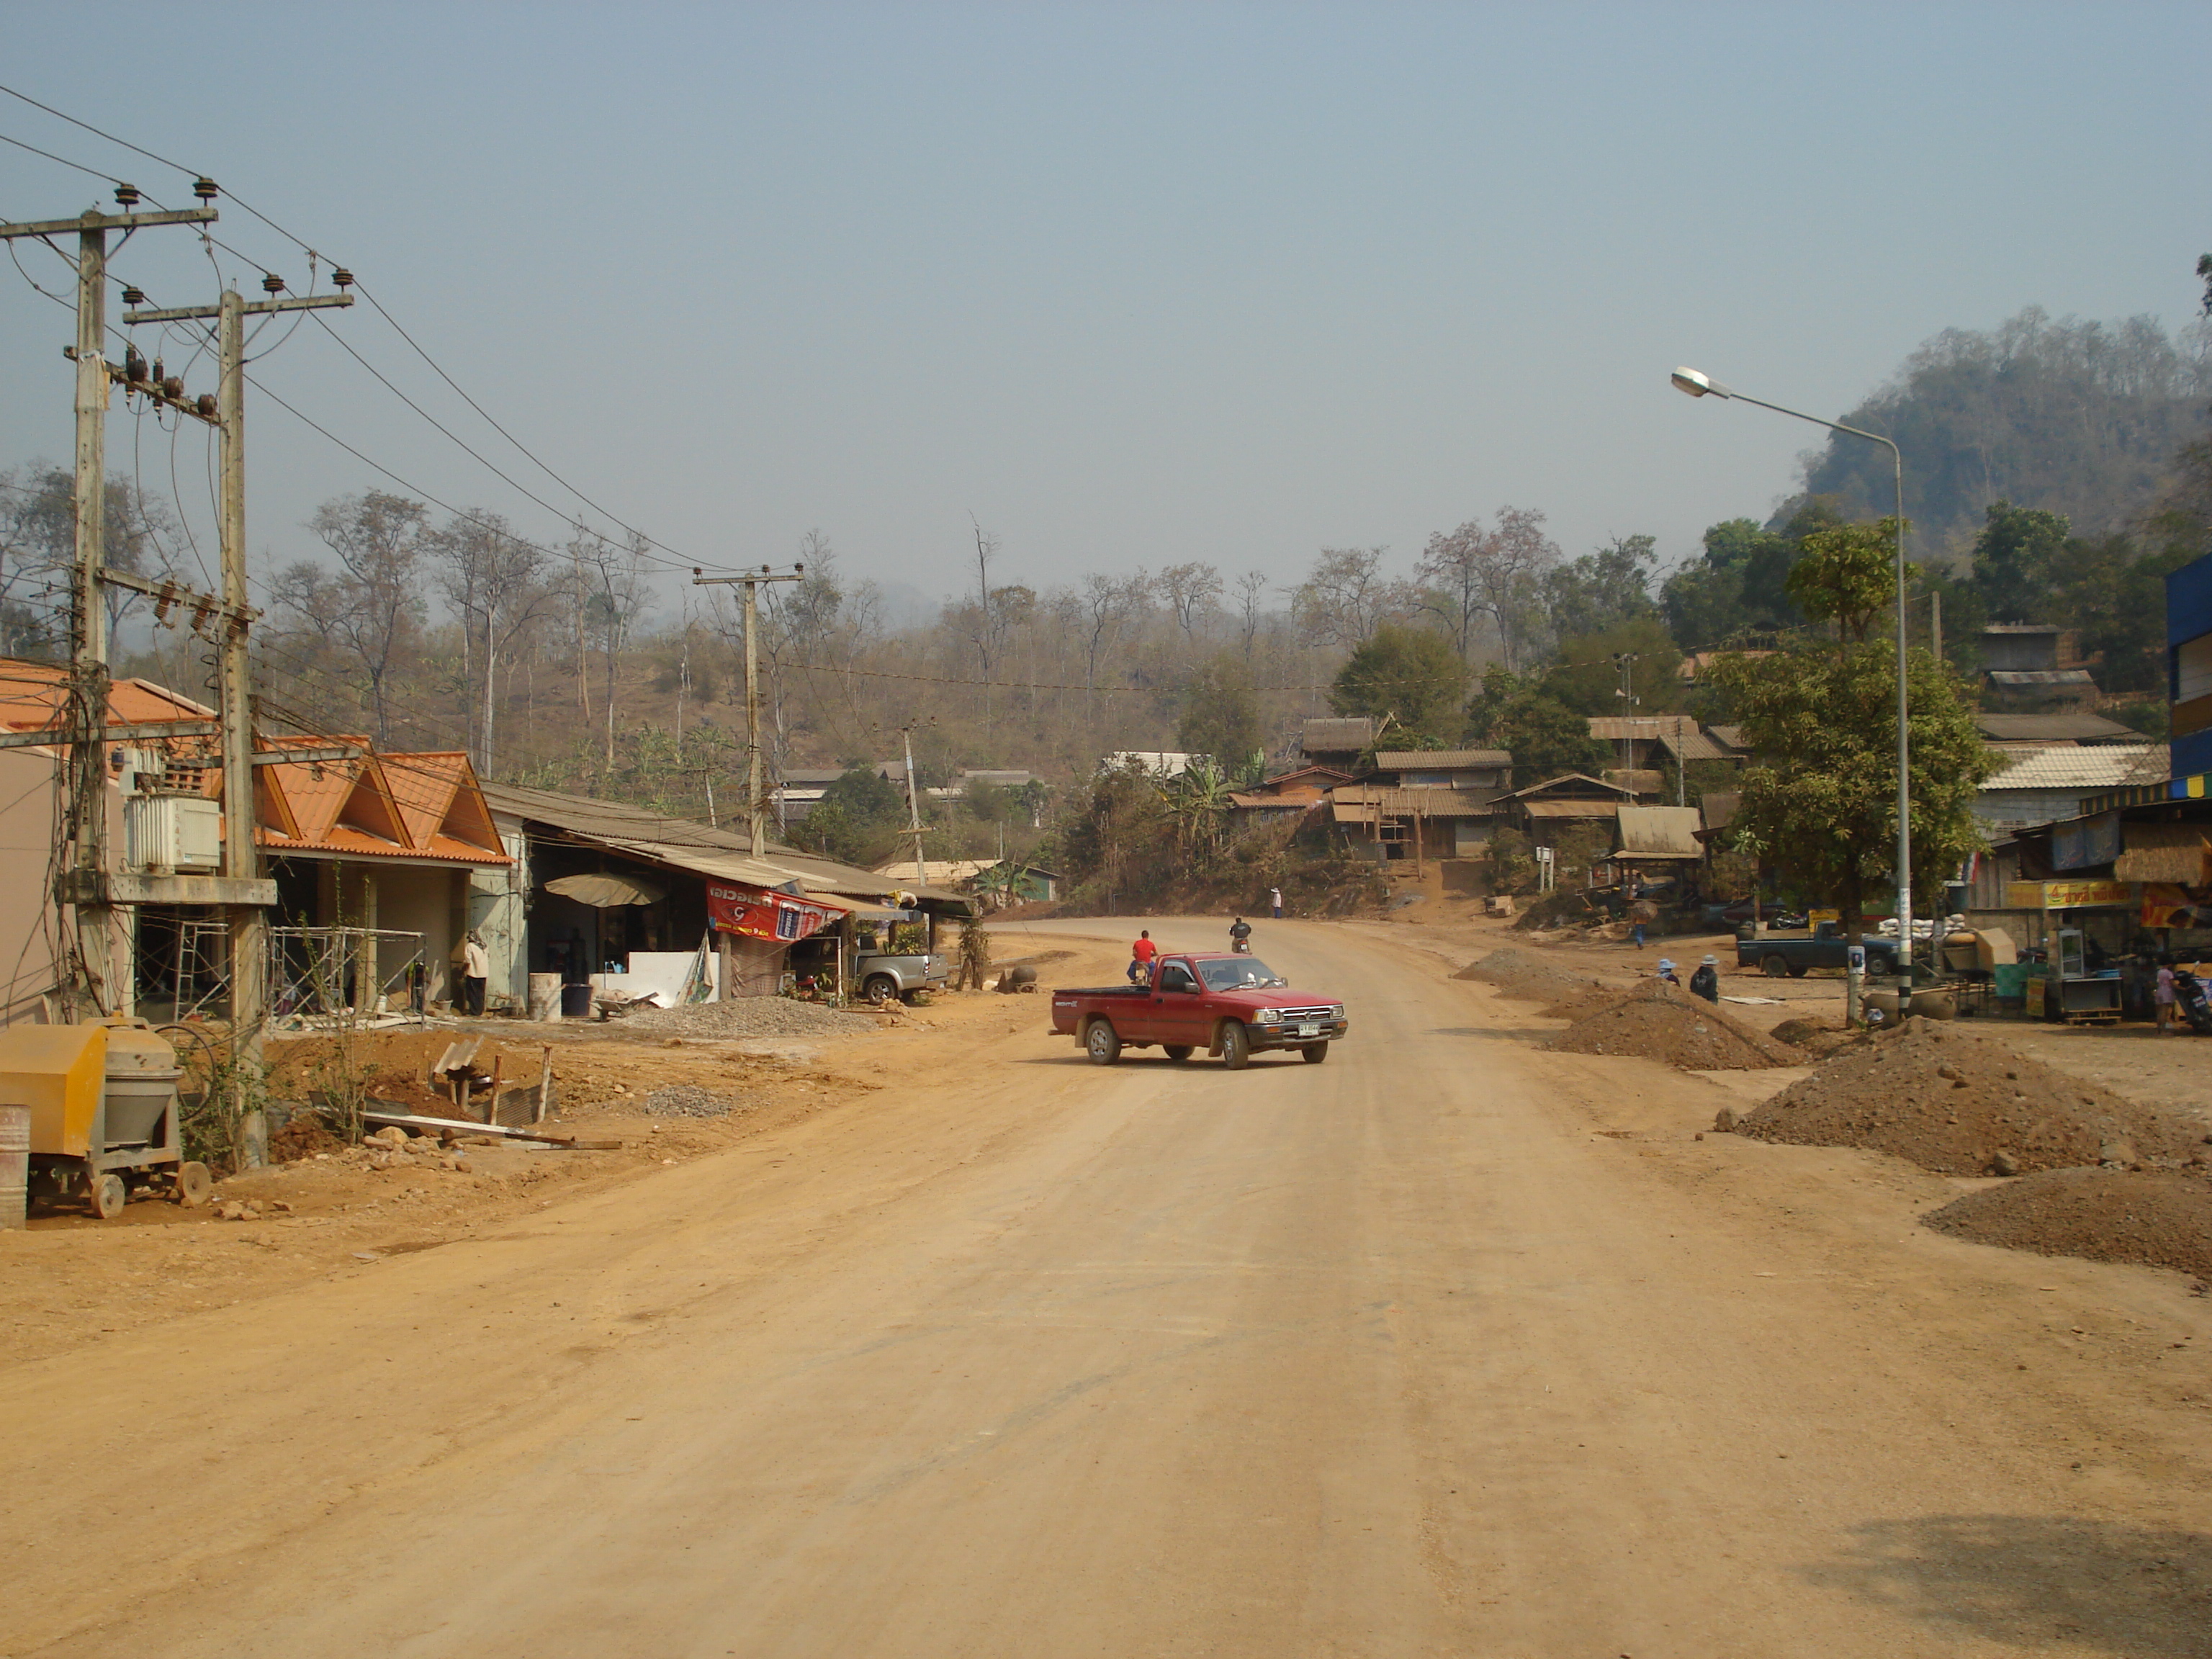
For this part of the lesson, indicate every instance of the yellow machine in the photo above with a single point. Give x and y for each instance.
(104, 1114)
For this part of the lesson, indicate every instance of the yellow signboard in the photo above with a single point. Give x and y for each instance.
(2068, 895)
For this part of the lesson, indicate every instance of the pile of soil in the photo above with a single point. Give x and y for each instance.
(1661, 1021)
(751, 1017)
(1523, 974)
(688, 1100)
(1958, 1102)
(2155, 1218)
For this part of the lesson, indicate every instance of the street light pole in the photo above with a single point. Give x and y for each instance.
(1696, 384)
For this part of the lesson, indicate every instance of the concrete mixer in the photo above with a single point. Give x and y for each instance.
(104, 1114)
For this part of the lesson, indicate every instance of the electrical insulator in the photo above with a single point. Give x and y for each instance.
(204, 187)
(127, 195)
(271, 283)
(134, 296)
(134, 366)
(341, 278)
(205, 405)
(159, 377)
(172, 387)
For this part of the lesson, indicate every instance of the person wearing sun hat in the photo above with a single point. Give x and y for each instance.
(1667, 970)
(1706, 981)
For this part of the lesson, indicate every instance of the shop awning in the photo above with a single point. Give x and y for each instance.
(606, 892)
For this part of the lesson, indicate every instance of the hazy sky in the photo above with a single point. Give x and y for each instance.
(1135, 284)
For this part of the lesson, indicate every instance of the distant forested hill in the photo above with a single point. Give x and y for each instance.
(2079, 418)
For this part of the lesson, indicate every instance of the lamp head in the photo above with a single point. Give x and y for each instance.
(1690, 381)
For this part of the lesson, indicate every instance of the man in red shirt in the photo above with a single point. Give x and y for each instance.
(1140, 958)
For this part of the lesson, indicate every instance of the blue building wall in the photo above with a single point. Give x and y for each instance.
(2188, 616)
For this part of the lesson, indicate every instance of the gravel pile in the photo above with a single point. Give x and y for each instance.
(1523, 974)
(688, 1100)
(1958, 1102)
(1661, 1021)
(2155, 1218)
(750, 1016)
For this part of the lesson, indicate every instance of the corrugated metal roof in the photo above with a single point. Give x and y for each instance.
(2054, 728)
(2022, 628)
(1567, 777)
(2040, 677)
(1661, 832)
(1730, 735)
(1720, 809)
(1404, 803)
(1443, 760)
(1569, 809)
(2093, 766)
(1615, 728)
(1336, 737)
(1696, 746)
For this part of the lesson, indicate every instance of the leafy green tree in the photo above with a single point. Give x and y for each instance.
(1587, 679)
(828, 829)
(2017, 558)
(1822, 804)
(1411, 674)
(869, 800)
(1738, 584)
(1603, 590)
(1545, 737)
(1847, 575)
(1221, 715)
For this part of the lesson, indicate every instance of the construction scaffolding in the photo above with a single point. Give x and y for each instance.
(351, 975)
(183, 964)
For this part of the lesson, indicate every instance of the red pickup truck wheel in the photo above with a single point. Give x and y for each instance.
(1176, 1050)
(1101, 1043)
(1313, 1053)
(1236, 1046)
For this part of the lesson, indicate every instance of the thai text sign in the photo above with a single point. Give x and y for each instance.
(758, 913)
(2068, 895)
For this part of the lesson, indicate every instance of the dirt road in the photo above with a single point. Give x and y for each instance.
(1443, 1347)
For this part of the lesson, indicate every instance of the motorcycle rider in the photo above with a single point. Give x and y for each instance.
(1240, 931)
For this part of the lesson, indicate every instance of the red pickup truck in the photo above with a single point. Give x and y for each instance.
(1228, 1004)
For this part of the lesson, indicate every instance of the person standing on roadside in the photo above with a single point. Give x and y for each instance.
(1140, 958)
(1667, 971)
(1706, 981)
(1275, 900)
(470, 956)
(2163, 1002)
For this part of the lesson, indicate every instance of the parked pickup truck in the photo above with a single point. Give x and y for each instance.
(883, 974)
(1231, 1005)
(1824, 947)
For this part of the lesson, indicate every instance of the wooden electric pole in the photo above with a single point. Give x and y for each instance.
(756, 797)
(241, 854)
(89, 980)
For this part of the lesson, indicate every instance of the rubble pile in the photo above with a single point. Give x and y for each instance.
(2154, 1218)
(1953, 1101)
(688, 1100)
(1522, 974)
(750, 1016)
(1661, 1021)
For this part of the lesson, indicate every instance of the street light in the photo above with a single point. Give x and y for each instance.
(1695, 385)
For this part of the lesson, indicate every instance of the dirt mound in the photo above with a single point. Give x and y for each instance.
(1522, 974)
(1959, 1103)
(2156, 1218)
(1661, 1021)
(688, 1100)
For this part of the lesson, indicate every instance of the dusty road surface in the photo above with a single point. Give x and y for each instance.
(1446, 1346)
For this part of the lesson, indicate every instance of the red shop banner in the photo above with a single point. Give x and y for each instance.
(758, 913)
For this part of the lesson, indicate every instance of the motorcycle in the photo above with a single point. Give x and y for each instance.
(2196, 1005)
(1241, 944)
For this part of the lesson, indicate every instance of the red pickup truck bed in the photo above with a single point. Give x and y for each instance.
(1228, 1004)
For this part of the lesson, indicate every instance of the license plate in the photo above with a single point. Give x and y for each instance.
(1310, 1029)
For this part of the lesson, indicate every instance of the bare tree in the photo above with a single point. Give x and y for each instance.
(1191, 591)
(1108, 606)
(618, 593)
(1470, 575)
(371, 608)
(1347, 597)
(493, 580)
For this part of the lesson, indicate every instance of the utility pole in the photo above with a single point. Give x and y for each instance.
(1627, 695)
(912, 813)
(89, 976)
(756, 797)
(241, 856)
